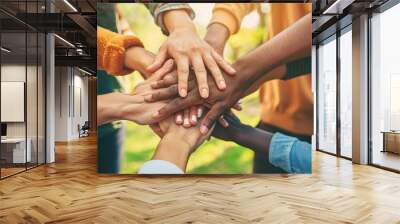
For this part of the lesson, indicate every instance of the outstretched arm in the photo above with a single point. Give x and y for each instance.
(174, 149)
(282, 151)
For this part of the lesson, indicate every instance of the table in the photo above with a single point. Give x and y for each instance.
(391, 141)
(16, 147)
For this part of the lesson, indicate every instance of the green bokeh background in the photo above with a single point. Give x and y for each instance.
(214, 156)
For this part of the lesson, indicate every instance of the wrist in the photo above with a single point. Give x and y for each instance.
(173, 150)
(106, 108)
(178, 19)
(138, 58)
(216, 36)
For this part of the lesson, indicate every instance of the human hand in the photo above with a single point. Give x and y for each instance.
(219, 101)
(190, 136)
(138, 58)
(187, 48)
(231, 132)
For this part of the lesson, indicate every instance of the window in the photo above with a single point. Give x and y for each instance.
(385, 89)
(327, 96)
(346, 93)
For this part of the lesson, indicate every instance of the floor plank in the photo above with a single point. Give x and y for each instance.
(70, 191)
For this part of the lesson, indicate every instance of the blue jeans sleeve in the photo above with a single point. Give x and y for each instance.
(290, 154)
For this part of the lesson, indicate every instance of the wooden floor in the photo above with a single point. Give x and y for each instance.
(70, 191)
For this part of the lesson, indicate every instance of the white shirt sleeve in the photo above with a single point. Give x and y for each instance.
(159, 167)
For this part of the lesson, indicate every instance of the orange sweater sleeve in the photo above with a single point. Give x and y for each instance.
(111, 51)
(231, 14)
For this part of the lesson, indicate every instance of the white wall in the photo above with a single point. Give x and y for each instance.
(71, 94)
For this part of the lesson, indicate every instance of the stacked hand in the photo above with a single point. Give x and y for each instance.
(219, 101)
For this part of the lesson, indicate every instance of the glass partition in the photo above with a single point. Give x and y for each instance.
(385, 89)
(327, 96)
(22, 88)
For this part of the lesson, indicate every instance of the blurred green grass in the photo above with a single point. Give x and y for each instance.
(214, 156)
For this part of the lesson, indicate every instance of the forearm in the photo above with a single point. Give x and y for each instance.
(174, 150)
(110, 107)
(105, 112)
(290, 44)
(217, 35)
(254, 139)
(288, 71)
(137, 58)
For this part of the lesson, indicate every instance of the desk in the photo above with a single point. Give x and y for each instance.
(391, 141)
(13, 150)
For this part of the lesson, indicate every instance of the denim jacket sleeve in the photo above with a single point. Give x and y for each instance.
(290, 154)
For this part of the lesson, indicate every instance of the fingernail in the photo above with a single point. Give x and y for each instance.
(156, 114)
(199, 112)
(179, 119)
(182, 92)
(204, 92)
(186, 122)
(203, 129)
(194, 118)
(222, 84)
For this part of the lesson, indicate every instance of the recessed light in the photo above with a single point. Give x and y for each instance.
(70, 5)
(5, 50)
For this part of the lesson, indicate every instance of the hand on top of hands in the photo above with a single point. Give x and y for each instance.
(187, 48)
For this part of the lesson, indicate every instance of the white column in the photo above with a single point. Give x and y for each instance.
(360, 90)
(50, 93)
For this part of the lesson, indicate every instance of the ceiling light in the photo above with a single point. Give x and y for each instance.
(5, 50)
(70, 5)
(65, 41)
(337, 7)
(84, 71)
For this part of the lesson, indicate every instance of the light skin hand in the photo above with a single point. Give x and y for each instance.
(178, 142)
(119, 106)
(187, 48)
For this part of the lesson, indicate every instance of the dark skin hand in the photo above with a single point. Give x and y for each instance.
(253, 138)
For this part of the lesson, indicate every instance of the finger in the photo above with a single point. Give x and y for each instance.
(162, 94)
(156, 128)
(167, 81)
(179, 118)
(200, 110)
(182, 63)
(215, 72)
(186, 119)
(166, 67)
(237, 106)
(178, 104)
(201, 74)
(193, 115)
(222, 63)
(210, 118)
(223, 122)
(159, 60)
